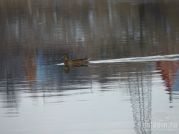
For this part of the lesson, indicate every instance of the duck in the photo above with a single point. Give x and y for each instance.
(75, 62)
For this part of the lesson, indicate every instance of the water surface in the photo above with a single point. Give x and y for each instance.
(130, 86)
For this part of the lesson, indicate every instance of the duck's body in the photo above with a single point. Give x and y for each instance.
(75, 62)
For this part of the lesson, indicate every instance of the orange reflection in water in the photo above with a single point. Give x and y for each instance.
(30, 68)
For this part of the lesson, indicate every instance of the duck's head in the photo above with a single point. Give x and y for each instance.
(66, 57)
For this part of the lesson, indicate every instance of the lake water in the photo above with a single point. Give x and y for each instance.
(131, 85)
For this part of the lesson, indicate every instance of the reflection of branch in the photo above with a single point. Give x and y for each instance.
(140, 92)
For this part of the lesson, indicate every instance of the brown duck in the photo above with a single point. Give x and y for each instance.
(75, 62)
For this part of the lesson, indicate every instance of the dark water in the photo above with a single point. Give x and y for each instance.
(131, 85)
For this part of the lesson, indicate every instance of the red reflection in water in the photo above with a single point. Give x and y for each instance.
(168, 72)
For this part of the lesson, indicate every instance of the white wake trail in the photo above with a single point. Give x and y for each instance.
(174, 57)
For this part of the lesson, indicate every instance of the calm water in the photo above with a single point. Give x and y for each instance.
(131, 85)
